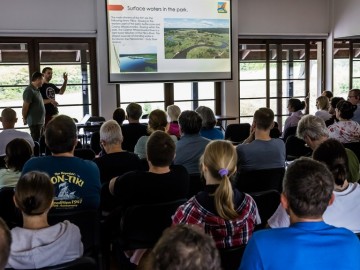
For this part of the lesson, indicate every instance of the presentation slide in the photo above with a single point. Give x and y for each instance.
(161, 40)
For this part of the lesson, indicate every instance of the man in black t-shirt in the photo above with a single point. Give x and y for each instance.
(162, 183)
(48, 92)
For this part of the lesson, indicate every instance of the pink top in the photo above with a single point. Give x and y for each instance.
(174, 129)
(345, 131)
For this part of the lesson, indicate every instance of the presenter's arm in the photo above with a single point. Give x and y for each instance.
(63, 87)
(49, 100)
(25, 110)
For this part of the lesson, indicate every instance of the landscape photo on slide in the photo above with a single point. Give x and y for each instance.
(138, 62)
(196, 38)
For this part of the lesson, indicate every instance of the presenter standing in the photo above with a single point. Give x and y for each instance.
(48, 92)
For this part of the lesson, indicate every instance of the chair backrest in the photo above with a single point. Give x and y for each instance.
(231, 257)
(8, 211)
(289, 132)
(142, 225)
(196, 184)
(237, 132)
(85, 153)
(88, 222)
(296, 148)
(267, 203)
(78, 264)
(260, 180)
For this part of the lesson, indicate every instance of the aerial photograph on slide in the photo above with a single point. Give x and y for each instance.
(138, 62)
(196, 38)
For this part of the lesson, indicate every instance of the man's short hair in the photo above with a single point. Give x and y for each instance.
(36, 75)
(61, 134)
(264, 118)
(8, 115)
(5, 243)
(46, 69)
(355, 92)
(312, 126)
(308, 186)
(185, 247)
(119, 115)
(190, 122)
(327, 94)
(134, 111)
(160, 149)
(110, 132)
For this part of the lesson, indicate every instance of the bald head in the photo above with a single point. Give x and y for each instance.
(8, 118)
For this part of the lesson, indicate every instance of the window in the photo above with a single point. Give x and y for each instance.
(20, 57)
(272, 71)
(346, 66)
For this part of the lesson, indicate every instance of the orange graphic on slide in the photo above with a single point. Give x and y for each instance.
(221, 7)
(115, 7)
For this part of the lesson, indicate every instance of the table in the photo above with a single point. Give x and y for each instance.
(224, 118)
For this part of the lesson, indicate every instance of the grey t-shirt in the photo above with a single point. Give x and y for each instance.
(259, 155)
(36, 113)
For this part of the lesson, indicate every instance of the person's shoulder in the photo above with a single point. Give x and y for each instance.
(179, 169)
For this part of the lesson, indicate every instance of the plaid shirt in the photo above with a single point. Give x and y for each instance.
(226, 233)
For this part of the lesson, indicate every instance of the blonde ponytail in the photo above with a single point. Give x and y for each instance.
(220, 158)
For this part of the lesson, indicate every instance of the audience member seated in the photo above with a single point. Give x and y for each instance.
(208, 129)
(184, 247)
(5, 243)
(191, 145)
(308, 190)
(161, 183)
(295, 107)
(8, 119)
(18, 151)
(259, 151)
(157, 121)
(37, 244)
(115, 162)
(134, 130)
(323, 105)
(313, 131)
(346, 130)
(119, 116)
(76, 181)
(333, 102)
(345, 210)
(354, 98)
(328, 94)
(173, 112)
(228, 215)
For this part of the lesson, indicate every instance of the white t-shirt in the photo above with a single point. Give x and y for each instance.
(344, 212)
(7, 135)
(323, 114)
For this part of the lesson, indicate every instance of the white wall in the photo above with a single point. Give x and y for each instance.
(47, 16)
(346, 18)
(283, 17)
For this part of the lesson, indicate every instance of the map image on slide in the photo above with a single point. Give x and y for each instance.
(196, 38)
(138, 62)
